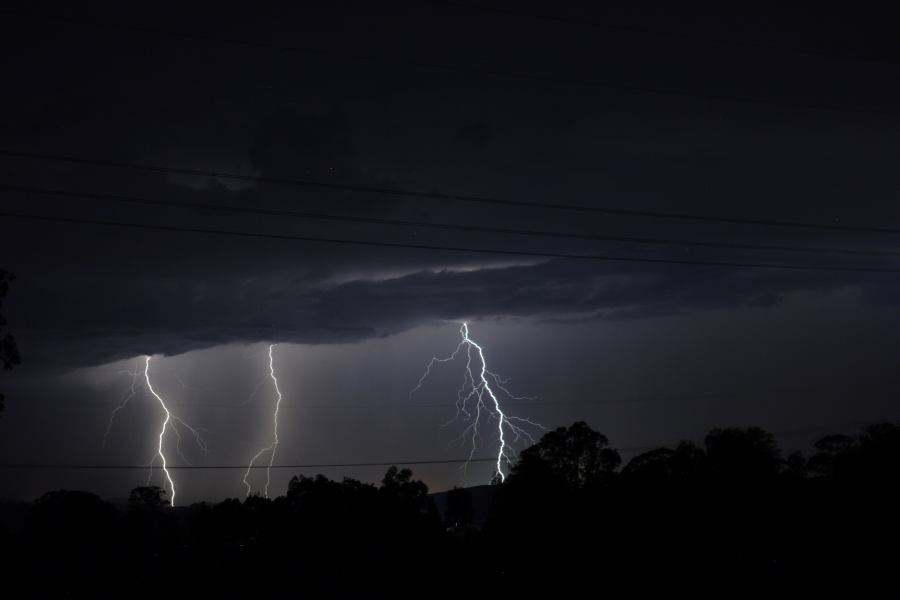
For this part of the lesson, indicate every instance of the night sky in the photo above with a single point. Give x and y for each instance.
(730, 115)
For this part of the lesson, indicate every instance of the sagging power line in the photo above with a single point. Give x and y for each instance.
(401, 192)
(533, 233)
(442, 248)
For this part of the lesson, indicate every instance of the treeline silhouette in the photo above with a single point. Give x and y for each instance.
(731, 516)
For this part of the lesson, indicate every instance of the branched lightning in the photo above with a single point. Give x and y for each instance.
(480, 393)
(201, 443)
(171, 421)
(254, 391)
(123, 402)
(271, 448)
(162, 432)
(190, 387)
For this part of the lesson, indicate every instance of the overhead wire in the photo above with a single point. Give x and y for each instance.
(444, 248)
(402, 192)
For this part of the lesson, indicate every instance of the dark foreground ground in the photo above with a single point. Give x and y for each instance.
(729, 517)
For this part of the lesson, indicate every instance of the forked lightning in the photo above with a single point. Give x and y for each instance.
(480, 392)
(170, 421)
(271, 448)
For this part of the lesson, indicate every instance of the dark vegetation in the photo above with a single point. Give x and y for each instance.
(730, 516)
(9, 351)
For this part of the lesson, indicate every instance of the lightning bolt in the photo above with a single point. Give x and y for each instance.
(254, 391)
(480, 393)
(122, 403)
(171, 421)
(162, 432)
(271, 448)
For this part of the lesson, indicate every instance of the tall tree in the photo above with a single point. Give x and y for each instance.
(9, 352)
(577, 454)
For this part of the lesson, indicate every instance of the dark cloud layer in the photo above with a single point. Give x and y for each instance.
(721, 113)
(186, 314)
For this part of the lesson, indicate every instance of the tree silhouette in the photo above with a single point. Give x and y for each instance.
(870, 459)
(742, 458)
(9, 351)
(147, 498)
(577, 454)
(722, 517)
(70, 541)
(832, 456)
(654, 465)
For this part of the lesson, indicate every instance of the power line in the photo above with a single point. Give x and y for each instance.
(537, 401)
(439, 226)
(60, 466)
(250, 405)
(443, 196)
(94, 467)
(495, 251)
(626, 449)
(433, 66)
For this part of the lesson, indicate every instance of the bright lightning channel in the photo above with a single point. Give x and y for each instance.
(162, 432)
(480, 392)
(171, 421)
(271, 448)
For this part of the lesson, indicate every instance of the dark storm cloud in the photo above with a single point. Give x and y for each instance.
(262, 111)
(192, 313)
(557, 287)
(746, 114)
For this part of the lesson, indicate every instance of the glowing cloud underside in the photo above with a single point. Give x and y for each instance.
(480, 393)
(271, 448)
